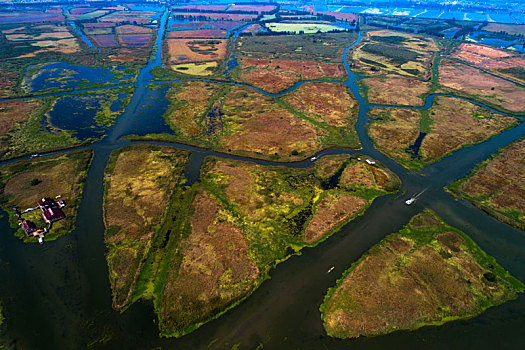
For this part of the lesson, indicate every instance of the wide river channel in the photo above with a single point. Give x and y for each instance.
(58, 296)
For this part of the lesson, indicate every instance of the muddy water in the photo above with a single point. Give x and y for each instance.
(58, 296)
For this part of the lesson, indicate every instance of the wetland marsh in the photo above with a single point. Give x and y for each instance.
(221, 232)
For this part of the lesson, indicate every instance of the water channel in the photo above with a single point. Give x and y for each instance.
(58, 296)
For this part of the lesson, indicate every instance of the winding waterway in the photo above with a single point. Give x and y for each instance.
(58, 296)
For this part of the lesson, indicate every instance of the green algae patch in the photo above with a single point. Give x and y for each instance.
(497, 185)
(428, 273)
(24, 183)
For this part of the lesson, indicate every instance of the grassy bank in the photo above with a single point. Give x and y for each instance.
(496, 185)
(23, 183)
(426, 274)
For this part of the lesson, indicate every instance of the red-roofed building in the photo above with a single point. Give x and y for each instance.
(28, 227)
(51, 211)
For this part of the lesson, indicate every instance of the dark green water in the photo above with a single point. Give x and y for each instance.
(58, 296)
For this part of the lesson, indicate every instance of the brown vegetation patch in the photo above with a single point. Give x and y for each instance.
(490, 88)
(192, 101)
(264, 126)
(196, 50)
(277, 75)
(456, 123)
(333, 209)
(268, 80)
(381, 178)
(327, 166)
(198, 33)
(405, 283)
(398, 130)
(483, 50)
(328, 102)
(500, 185)
(277, 131)
(357, 173)
(11, 114)
(396, 90)
(214, 272)
(15, 111)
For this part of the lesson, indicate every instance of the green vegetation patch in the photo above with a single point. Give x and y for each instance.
(246, 122)
(426, 274)
(396, 55)
(28, 136)
(518, 72)
(301, 28)
(212, 244)
(25, 182)
(140, 181)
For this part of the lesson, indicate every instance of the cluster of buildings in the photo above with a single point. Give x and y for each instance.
(51, 211)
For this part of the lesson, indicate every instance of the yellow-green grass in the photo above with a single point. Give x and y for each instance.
(269, 212)
(25, 182)
(217, 240)
(140, 181)
(428, 273)
(395, 52)
(497, 185)
(200, 69)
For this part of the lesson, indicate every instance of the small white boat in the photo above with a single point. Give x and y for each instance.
(413, 199)
(331, 269)
(410, 200)
(41, 240)
(313, 159)
(35, 155)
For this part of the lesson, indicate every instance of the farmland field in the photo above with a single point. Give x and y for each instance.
(195, 50)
